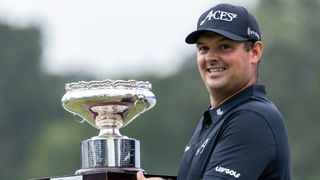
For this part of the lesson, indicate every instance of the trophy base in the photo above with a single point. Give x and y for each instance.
(117, 173)
(107, 169)
(110, 175)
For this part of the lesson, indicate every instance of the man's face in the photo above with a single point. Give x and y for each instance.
(225, 65)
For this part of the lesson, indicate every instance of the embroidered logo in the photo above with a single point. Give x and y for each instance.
(227, 171)
(201, 148)
(219, 112)
(219, 15)
(250, 32)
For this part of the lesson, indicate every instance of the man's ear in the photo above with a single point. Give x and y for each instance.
(256, 51)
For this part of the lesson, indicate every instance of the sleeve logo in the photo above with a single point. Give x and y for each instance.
(227, 171)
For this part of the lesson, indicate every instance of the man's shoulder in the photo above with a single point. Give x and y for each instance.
(260, 106)
(257, 112)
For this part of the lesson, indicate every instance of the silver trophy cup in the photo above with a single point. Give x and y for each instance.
(109, 105)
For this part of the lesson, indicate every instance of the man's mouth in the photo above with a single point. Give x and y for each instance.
(216, 69)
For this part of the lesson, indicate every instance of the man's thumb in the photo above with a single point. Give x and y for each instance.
(140, 176)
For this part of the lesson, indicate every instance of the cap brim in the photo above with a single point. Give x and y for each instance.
(192, 38)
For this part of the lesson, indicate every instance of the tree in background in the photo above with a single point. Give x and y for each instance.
(27, 97)
(291, 68)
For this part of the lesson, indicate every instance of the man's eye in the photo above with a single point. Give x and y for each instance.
(203, 49)
(225, 47)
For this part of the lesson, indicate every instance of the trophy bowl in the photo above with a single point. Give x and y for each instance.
(109, 105)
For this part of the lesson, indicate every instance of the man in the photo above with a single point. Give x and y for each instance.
(242, 135)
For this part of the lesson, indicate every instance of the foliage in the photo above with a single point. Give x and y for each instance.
(23, 104)
(291, 68)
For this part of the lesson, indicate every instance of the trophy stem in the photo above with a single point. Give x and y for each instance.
(109, 133)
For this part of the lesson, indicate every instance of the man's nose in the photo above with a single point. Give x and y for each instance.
(211, 56)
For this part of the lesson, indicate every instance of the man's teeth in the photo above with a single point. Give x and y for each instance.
(218, 69)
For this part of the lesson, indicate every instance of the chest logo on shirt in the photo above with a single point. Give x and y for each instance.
(201, 148)
(219, 112)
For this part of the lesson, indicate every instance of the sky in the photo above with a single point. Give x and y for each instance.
(109, 38)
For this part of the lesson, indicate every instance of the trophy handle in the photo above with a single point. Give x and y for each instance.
(140, 104)
(78, 118)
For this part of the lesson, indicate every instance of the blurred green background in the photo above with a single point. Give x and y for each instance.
(39, 139)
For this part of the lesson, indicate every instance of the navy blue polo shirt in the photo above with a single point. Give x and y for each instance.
(243, 138)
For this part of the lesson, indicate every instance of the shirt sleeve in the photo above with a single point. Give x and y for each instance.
(246, 147)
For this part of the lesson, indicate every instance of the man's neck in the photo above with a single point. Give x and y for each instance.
(219, 97)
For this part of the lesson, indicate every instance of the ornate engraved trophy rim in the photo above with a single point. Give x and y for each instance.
(108, 84)
(101, 103)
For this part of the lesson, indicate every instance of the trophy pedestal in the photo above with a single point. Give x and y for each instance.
(107, 174)
(114, 174)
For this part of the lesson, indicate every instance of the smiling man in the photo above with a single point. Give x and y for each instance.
(242, 135)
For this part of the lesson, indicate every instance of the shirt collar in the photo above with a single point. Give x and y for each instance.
(255, 90)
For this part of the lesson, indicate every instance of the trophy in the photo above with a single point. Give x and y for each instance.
(109, 105)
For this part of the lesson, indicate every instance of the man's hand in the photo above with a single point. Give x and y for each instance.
(140, 176)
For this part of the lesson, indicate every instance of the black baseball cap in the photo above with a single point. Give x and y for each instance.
(233, 22)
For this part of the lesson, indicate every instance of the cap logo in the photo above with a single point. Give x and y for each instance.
(219, 15)
(250, 32)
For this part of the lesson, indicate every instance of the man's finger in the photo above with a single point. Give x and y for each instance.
(140, 176)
